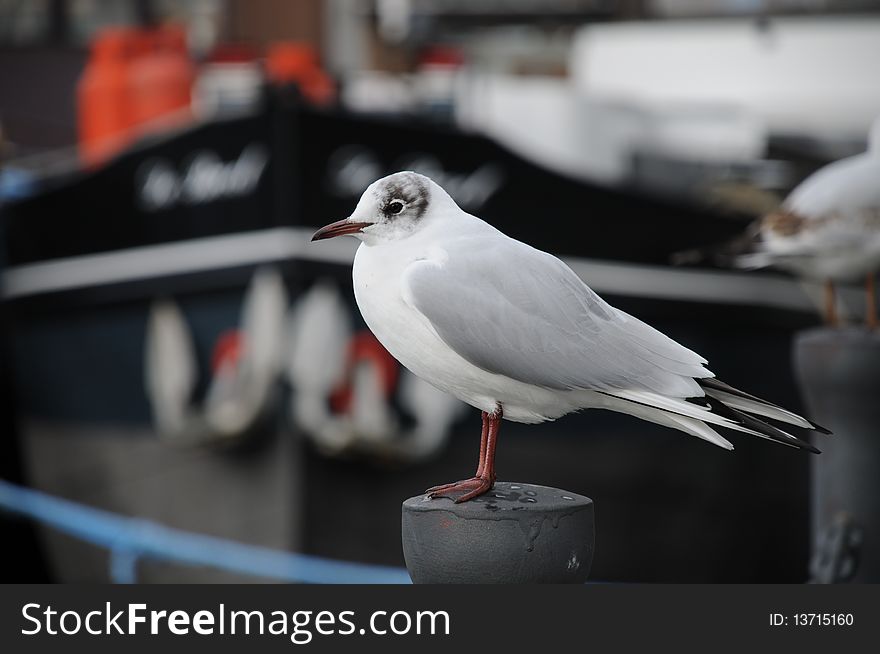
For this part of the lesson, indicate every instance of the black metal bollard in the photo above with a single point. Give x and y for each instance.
(839, 374)
(515, 534)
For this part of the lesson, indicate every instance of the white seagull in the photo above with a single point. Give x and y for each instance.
(828, 228)
(514, 332)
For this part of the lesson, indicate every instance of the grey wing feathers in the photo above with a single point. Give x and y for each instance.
(516, 311)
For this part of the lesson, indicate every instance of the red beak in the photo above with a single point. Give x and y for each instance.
(339, 228)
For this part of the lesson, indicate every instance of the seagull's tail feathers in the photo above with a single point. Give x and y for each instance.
(688, 425)
(698, 429)
(694, 416)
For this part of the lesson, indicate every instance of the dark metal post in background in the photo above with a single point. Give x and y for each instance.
(839, 374)
(515, 533)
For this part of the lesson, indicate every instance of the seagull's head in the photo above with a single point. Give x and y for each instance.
(392, 208)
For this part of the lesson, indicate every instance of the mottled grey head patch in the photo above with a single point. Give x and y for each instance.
(408, 188)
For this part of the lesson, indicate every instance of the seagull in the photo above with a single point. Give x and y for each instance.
(514, 332)
(828, 229)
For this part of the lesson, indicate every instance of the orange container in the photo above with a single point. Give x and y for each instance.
(135, 80)
(161, 79)
(292, 62)
(103, 103)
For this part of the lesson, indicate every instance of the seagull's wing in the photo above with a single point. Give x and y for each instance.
(516, 311)
(846, 185)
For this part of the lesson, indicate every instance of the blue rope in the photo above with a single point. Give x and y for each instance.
(131, 538)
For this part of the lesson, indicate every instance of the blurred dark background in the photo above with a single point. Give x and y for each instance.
(174, 349)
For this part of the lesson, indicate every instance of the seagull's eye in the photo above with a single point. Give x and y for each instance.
(394, 207)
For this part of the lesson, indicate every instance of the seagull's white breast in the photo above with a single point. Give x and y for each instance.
(378, 275)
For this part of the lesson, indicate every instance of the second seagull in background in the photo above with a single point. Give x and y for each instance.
(828, 229)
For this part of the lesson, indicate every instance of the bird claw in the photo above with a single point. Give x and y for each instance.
(470, 488)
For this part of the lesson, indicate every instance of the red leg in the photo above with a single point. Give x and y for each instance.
(491, 443)
(485, 476)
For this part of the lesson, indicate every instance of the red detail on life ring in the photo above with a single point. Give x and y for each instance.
(364, 348)
(227, 350)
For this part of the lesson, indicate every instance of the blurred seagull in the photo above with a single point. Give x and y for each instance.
(512, 330)
(828, 228)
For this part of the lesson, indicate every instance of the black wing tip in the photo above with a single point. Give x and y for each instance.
(767, 430)
(819, 428)
(718, 385)
(797, 443)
